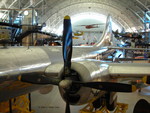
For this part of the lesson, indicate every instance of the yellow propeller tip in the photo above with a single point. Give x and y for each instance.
(134, 88)
(144, 79)
(67, 17)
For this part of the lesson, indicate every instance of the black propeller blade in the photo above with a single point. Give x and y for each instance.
(67, 44)
(38, 78)
(67, 54)
(67, 110)
(107, 86)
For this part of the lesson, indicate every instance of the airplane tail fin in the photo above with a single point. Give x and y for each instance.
(107, 36)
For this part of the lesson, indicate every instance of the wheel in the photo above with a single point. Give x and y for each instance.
(142, 106)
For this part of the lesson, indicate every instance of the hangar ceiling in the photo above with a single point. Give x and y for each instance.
(127, 13)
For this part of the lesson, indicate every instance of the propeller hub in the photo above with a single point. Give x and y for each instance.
(65, 84)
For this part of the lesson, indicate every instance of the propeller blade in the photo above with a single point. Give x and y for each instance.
(67, 110)
(108, 86)
(67, 43)
(38, 78)
(67, 107)
(67, 54)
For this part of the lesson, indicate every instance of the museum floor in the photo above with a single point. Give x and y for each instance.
(53, 103)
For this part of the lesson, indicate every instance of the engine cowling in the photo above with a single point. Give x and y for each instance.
(84, 71)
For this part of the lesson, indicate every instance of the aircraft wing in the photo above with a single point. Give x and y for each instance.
(125, 69)
(15, 61)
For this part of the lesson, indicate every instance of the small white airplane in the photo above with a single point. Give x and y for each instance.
(23, 70)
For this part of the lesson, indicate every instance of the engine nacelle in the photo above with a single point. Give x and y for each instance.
(84, 71)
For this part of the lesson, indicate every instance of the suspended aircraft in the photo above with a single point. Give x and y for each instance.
(91, 26)
(25, 69)
(78, 33)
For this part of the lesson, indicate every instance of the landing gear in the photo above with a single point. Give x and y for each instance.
(90, 109)
(120, 108)
(142, 106)
(105, 104)
(111, 100)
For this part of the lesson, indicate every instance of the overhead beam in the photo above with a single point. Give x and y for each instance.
(143, 5)
(136, 14)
